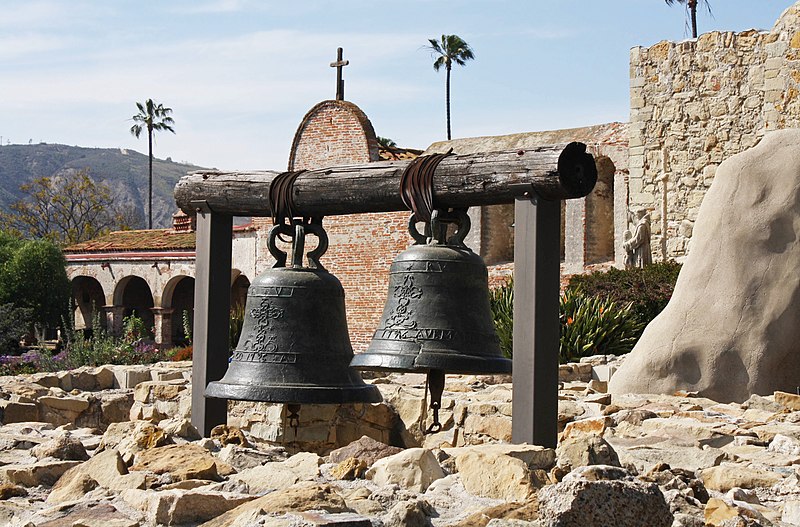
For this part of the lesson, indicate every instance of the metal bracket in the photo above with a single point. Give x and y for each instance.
(525, 191)
(200, 206)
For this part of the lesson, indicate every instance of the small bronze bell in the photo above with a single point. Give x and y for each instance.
(437, 318)
(294, 347)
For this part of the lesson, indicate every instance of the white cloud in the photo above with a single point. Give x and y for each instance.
(16, 46)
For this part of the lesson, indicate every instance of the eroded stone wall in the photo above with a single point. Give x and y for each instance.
(696, 103)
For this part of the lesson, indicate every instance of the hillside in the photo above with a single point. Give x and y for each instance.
(125, 171)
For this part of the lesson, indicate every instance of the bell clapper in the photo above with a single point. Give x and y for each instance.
(435, 384)
(293, 416)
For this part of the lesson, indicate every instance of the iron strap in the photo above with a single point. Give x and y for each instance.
(416, 185)
(281, 196)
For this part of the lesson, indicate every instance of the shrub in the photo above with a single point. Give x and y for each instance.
(14, 323)
(589, 325)
(236, 323)
(501, 303)
(647, 289)
(179, 354)
(592, 325)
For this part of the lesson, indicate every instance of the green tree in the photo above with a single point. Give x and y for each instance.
(153, 118)
(65, 209)
(33, 276)
(691, 10)
(385, 142)
(450, 49)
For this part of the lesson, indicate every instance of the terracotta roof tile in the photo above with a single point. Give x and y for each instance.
(141, 240)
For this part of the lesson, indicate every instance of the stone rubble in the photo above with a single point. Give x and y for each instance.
(656, 460)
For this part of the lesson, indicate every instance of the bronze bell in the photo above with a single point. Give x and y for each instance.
(294, 347)
(437, 318)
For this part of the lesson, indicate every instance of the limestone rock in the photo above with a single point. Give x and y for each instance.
(180, 427)
(727, 476)
(598, 473)
(39, 473)
(8, 490)
(18, 412)
(603, 503)
(788, 401)
(724, 512)
(643, 458)
(63, 446)
(414, 468)
(105, 469)
(132, 437)
(242, 458)
(229, 435)
(416, 513)
(513, 511)
(180, 507)
(152, 391)
(180, 461)
(349, 469)
(303, 466)
(732, 326)
(507, 472)
(366, 449)
(304, 496)
(574, 452)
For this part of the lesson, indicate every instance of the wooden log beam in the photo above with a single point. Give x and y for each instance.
(554, 172)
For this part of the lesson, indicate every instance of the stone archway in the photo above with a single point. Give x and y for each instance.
(600, 214)
(177, 299)
(133, 296)
(88, 298)
(239, 286)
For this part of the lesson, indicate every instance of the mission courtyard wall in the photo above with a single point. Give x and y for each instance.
(698, 102)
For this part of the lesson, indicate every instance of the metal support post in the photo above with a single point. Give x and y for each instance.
(212, 304)
(536, 324)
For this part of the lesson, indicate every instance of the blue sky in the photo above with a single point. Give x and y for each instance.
(240, 74)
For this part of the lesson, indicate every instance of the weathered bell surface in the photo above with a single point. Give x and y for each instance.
(294, 346)
(437, 316)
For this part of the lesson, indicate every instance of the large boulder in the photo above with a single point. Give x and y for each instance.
(732, 326)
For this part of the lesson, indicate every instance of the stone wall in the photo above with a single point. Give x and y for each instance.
(696, 103)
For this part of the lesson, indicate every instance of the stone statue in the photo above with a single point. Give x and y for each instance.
(637, 240)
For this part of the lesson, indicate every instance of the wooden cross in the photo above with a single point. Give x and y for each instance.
(339, 64)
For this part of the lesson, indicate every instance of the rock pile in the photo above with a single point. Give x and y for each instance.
(622, 460)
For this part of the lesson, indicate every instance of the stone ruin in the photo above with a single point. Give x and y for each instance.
(113, 446)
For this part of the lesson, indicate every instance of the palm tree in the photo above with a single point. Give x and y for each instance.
(155, 118)
(450, 49)
(691, 8)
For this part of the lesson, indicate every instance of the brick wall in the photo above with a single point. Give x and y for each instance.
(362, 246)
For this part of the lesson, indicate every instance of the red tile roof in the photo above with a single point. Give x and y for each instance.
(141, 240)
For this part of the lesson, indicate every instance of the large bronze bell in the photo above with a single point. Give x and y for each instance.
(437, 316)
(294, 346)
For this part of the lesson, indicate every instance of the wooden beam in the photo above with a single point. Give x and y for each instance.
(554, 172)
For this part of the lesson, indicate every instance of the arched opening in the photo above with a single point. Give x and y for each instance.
(600, 214)
(179, 296)
(134, 295)
(88, 299)
(239, 287)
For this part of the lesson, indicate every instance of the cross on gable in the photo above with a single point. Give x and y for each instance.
(339, 64)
